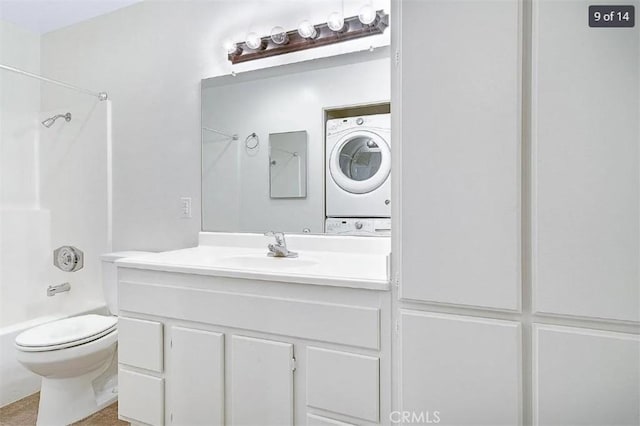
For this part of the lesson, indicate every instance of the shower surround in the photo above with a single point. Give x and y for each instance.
(55, 189)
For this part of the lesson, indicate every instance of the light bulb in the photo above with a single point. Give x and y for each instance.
(279, 35)
(230, 47)
(367, 15)
(307, 30)
(253, 41)
(335, 21)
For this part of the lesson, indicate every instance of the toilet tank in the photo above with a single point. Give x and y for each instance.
(110, 276)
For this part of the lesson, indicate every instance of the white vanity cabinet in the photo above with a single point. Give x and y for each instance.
(211, 350)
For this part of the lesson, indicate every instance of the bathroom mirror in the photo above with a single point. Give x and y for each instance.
(288, 164)
(269, 136)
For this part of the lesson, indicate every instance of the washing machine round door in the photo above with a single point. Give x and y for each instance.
(360, 162)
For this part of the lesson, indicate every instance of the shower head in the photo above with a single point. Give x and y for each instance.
(49, 121)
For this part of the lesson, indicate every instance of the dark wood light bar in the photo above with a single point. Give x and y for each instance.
(352, 29)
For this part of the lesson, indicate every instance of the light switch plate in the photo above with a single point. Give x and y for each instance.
(185, 207)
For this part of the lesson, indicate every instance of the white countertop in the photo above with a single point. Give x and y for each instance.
(355, 262)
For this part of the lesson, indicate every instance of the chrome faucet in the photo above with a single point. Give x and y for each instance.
(52, 290)
(279, 249)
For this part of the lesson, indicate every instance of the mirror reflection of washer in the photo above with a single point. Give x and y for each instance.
(358, 168)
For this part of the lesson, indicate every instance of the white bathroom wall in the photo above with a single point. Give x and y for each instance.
(24, 226)
(20, 102)
(150, 57)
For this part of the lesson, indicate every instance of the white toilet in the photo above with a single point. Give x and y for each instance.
(76, 357)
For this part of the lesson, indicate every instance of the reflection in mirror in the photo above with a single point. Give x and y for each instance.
(360, 158)
(288, 165)
(252, 181)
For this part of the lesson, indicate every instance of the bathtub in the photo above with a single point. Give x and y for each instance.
(16, 382)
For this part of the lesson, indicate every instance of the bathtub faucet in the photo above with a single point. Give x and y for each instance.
(52, 290)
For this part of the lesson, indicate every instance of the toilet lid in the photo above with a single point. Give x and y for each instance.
(65, 332)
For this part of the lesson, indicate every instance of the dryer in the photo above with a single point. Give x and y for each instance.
(358, 167)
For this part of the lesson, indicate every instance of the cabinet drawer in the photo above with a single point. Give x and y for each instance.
(344, 383)
(140, 343)
(141, 397)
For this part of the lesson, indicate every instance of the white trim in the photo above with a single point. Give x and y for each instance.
(109, 143)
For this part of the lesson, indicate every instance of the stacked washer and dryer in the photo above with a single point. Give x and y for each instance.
(358, 175)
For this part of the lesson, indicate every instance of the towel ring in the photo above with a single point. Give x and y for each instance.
(247, 143)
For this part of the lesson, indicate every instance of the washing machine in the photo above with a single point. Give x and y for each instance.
(358, 167)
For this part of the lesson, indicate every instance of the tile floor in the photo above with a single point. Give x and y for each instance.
(25, 412)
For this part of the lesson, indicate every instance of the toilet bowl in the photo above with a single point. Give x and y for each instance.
(70, 354)
(76, 358)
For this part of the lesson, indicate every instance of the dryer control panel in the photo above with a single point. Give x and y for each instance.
(358, 226)
(338, 125)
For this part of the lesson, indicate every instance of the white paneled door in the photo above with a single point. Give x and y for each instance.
(261, 382)
(461, 370)
(196, 377)
(585, 377)
(585, 164)
(460, 120)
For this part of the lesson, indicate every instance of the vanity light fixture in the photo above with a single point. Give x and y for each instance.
(231, 48)
(335, 22)
(255, 42)
(337, 29)
(367, 15)
(307, 30)
(279, 36)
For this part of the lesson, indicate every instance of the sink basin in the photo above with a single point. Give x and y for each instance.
(264, 262)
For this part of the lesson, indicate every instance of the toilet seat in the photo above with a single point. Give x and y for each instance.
(66, 333)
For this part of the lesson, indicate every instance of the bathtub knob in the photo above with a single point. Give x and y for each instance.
(68, 258)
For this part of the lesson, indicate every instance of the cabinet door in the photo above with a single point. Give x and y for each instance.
(261, 382)
(585, 377)
(344, 383)
(463, 370)
(459, 139)
(585, 168)
(196, 377)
